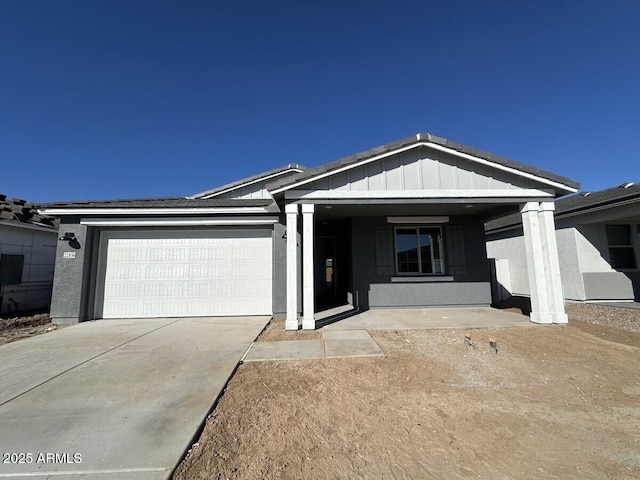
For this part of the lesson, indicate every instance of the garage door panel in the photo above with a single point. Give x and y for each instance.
(168, 274)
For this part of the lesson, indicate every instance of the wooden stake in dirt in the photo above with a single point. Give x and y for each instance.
(493, 344)
(467, 340)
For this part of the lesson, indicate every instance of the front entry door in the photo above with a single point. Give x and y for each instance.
(325, 269)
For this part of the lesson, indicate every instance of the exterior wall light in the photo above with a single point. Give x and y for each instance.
(68, 236)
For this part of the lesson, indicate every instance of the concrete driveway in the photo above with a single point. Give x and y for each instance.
(117, 399)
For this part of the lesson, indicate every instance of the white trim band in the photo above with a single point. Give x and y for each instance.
(409, 194)
(178, 222)
(152, 211)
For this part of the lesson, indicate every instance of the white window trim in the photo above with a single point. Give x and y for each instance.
(406, 275)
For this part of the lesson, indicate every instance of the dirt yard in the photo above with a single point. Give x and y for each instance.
(554, 402)
(16, 328)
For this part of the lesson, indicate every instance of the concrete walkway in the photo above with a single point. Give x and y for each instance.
(344, 332)
(114, 399)
(334, 344)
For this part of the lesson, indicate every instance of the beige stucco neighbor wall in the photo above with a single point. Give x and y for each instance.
(600, 280)
(510, 246)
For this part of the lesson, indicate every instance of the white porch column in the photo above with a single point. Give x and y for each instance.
(535, 264)
(552, 264)
(291, 322)
(308, 321)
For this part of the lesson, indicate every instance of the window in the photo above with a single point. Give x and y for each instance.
(621, 252)
(419, 250)
(11, 269)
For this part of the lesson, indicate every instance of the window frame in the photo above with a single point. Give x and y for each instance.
(417, 228)
(631, 245)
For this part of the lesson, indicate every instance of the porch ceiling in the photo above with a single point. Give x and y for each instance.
(479, 212)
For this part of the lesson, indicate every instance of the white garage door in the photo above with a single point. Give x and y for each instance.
(184, 274)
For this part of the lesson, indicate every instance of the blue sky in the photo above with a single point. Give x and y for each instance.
(135, 99)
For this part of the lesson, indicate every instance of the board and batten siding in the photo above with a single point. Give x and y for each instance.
(373, 261)
(422, 169)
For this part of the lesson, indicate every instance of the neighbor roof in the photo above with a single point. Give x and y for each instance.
(420, 138)
(18, 212)
(289, 169)
(609, 198)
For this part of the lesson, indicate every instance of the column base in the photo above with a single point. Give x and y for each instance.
(560, 318)
(308, 324)
(291, 324)
(543, 318)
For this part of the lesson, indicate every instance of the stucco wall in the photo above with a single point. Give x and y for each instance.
(510, 245)
(591, 246)
(373, 285)
(39, 250)
(71, 283)
(601, 281)
(584, 263)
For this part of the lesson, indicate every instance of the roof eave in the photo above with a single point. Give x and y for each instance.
(566, 185)
(230, 187)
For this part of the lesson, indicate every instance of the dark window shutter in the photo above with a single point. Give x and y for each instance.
(454, 242)
(384, 250)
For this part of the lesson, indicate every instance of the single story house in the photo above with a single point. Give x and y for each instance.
(598, 239)
(28, 243)
(400, 225)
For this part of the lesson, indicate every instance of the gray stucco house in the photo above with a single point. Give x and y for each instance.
(28, 243)
(400, 225)
(598, 239)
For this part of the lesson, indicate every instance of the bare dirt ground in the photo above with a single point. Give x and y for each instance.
(555, 402)
(16, 328)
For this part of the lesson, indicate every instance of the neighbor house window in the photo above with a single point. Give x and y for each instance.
(11, 269)
(620, 242)
(419, 250)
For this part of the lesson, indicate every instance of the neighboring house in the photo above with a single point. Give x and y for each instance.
(401, 225)
(598, 239)
(27, 256)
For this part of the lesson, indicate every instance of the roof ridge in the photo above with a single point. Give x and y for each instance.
(414, 140)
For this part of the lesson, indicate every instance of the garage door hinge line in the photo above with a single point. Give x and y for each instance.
(86, 361)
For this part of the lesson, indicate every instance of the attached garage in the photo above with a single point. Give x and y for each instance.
(178, 273)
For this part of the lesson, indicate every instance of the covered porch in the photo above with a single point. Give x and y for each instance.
(390, 254)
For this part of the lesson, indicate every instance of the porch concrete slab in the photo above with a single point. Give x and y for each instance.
(350, 343)
(285, 350)
(128, 397)
(425, 318)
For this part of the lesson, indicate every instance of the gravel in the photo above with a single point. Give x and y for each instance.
(617, 317)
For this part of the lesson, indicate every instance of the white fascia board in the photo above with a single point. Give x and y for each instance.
(246, 184)
(153, 211)
(409, 194)
(482, 161)
(178, 222)
(504, 168)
